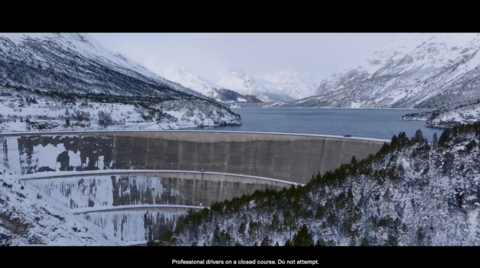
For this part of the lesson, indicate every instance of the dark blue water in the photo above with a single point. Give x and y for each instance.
(374, 123)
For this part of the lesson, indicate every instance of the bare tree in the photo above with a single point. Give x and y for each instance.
(104, 119)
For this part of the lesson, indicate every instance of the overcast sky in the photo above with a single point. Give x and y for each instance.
(209, 55)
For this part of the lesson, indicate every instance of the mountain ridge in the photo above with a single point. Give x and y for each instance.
(75, 66)
(279, 87)
(403, 74)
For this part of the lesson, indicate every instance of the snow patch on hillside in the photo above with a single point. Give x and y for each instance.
(28, 217)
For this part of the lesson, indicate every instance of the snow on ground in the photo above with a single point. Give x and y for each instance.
(473, 219)
(19, 115)
(396, 96)
(405, 163)
(463, 115)
(355, 104)
(28, 217)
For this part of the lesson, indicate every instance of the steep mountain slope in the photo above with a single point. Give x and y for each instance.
(76, 63)
(295, 85)
(227, 95)
(282, 86)
(423, 71)
(177, 73)
(70, 68)
(410, 193)
(244, 84)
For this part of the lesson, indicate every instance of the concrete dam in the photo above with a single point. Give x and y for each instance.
(135, 184)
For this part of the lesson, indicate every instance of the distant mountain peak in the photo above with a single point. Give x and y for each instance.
(283, 86)
(405, 73)
(177, 73)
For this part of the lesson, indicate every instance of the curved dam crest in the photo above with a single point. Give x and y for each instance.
(287, 157)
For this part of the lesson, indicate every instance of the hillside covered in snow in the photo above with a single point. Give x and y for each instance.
(29, 217)
(434, 71)
(41, 74)
(177, 73)
(411, 193)
(423, 71)
(238, 86)
(281, 87)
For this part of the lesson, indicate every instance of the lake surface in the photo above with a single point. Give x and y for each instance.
(372, 123)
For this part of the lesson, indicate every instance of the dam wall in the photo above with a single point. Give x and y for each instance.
(287, 157)
(129, 204)
(134, 225)
(102, 174)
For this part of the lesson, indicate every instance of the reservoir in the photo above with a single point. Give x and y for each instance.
(371, 123)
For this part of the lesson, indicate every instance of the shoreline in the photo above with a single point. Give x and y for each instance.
(338, 108)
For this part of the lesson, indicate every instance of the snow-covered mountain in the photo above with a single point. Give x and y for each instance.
(74, 62)
(242, 83)
(428, 70)
(71, 68)
(279, 87)
(296, 85)
(178, 74)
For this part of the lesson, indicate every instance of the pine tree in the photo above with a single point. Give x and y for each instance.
(320, 243)
(288, 221)
(216, 237)
(364, 242)
(241, 229)
(418, 138)
(266, 241)
(303, 237)
(444, 138)
(472, 144)
(420, 236)
(275, 222)
(319, 212)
